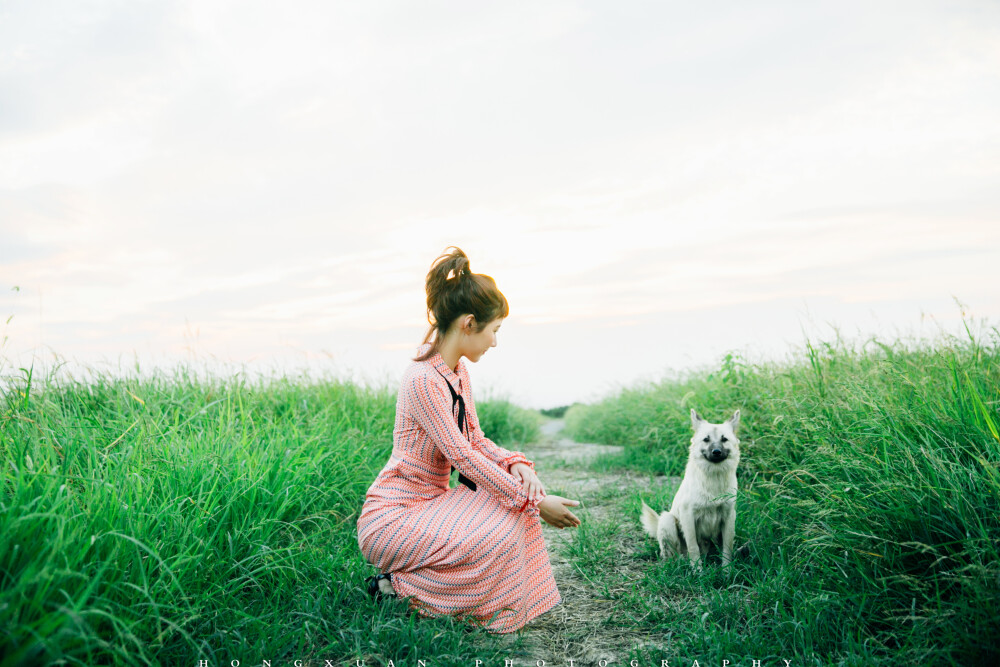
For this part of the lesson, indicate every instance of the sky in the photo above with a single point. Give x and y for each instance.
(263, 186)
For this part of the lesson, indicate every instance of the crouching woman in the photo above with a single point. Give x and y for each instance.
(475, 550)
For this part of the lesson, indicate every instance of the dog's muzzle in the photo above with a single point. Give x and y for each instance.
(718, 455)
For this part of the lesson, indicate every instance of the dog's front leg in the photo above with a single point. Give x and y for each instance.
(686, 519)
(728, 534)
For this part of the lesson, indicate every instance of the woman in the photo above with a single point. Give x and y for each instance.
(475, 550)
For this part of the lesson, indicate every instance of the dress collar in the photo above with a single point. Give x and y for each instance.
(437, 361)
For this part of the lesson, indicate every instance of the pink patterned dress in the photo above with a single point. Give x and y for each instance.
(478, 554)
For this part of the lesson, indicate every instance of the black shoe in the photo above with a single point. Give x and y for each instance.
(373, 587)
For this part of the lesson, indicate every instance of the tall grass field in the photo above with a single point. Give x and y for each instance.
(869, 501)
(169, 520)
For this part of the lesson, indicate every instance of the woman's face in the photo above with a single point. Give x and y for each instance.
(477, 343)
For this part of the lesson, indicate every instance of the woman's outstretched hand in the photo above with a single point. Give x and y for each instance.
(532, 485)
(554, 511)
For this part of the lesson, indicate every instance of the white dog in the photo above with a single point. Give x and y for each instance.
(703, 514)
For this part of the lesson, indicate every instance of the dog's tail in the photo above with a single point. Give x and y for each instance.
(650, 519)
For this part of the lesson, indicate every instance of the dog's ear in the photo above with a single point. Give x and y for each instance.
(695, 419)
(734, 421)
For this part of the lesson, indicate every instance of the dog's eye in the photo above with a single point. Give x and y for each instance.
(724, 439)
(707, 439)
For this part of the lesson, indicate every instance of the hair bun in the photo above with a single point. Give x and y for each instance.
(455, 263)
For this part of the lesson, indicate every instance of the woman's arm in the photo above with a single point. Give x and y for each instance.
(516, 463)
(431, 407)
(494, 452)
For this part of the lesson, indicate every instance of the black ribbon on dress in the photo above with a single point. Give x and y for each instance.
(463, 426)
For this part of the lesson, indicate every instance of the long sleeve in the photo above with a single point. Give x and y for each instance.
(431, 409)
(494, 452)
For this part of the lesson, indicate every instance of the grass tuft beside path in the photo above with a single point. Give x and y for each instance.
(869, 497)
(171, 519)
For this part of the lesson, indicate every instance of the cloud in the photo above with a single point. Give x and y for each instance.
(281, 179)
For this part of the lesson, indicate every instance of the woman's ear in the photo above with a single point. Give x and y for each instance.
(469, 324)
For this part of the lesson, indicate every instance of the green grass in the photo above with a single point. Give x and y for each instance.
(169, 519)
(869, 495)
(503, 421)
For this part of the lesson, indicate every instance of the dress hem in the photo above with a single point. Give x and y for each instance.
(499, 631)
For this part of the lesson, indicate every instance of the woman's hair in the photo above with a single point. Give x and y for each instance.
(453, 290)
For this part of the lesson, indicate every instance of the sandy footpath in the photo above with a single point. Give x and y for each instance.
(579, 627)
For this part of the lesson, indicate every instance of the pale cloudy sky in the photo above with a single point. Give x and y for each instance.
(652, 184)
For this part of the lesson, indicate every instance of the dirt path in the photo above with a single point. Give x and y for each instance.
(579, 627)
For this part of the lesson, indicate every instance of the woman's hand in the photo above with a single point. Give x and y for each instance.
(554, 512)
(523, 473)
